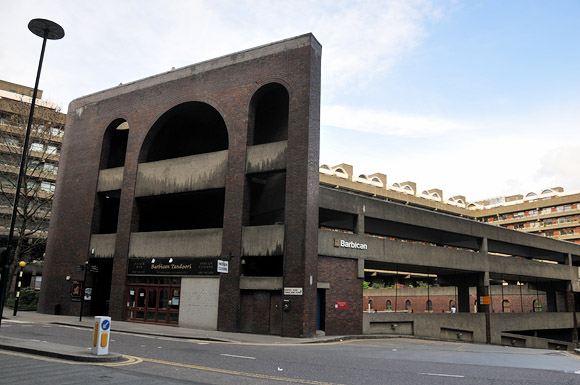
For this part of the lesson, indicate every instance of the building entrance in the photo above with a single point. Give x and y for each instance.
(153, 299)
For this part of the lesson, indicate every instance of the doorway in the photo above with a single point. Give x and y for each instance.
(101, 286)
(321, 309)
(153, 300)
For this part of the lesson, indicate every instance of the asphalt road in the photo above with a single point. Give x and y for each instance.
(160, 360)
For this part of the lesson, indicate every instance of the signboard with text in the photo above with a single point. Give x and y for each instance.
(222, 266)
(292, 291)
(173, 266)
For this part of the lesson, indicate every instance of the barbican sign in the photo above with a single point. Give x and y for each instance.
(349, 244)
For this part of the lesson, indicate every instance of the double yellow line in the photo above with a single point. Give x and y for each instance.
(237, 373)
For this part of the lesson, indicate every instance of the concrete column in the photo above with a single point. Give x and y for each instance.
(483, 290)
(360, 223)
(571, 307)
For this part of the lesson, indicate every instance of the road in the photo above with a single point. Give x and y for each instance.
(402, 361)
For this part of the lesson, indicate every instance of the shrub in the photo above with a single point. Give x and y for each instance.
(28, 299)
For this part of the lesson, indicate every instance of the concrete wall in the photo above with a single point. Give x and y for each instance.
(199, 303)
(103, 245)
(180, 243)
(471, 327)
(263, 240)
(261, 283)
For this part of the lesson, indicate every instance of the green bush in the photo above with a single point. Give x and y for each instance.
(28, 299)
(366, 284)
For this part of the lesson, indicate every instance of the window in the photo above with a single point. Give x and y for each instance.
(537, 306)
(452, 306)
(47, 186)
(506, 306)
(370, 304)
(49, 167)
(36, 147)
(11, 142)
(429, 305)
(408, 306)
(388, 305)
(56, 131)
(51, 150)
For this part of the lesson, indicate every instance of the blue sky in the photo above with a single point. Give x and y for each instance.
(477, 98)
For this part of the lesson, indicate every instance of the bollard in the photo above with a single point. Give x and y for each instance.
(101, 334)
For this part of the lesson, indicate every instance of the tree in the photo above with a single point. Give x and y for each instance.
(38, 183)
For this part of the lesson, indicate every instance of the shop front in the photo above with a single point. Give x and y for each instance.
(154, 287)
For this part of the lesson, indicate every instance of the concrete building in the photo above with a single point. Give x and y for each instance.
(41, 170)
(552, 213)
(196, 199)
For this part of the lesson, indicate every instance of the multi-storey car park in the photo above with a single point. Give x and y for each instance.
(41, 170)
(196, 200)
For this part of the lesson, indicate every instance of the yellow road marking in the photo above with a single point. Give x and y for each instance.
(129, 360)
(132, 360)
(237, 373)
(573, 355)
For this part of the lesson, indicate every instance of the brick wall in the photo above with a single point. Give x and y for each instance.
(341, 274)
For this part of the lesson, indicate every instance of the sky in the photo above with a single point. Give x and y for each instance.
(477, 98)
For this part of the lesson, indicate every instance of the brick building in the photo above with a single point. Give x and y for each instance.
(195, 198)
(162, 177)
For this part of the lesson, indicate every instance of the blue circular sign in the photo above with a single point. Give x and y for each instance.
(106, 324)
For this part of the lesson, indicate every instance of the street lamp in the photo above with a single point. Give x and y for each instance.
(45, 29)
(22, 264)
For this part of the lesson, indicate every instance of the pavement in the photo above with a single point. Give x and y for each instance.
(82, 354)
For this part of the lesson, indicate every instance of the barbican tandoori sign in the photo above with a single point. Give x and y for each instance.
(172, 266)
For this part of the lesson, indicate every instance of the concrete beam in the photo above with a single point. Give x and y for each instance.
(188, 173)
(179, 243)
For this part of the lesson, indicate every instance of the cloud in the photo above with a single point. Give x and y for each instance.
(111, 42)
(385, 122)
(559, 165)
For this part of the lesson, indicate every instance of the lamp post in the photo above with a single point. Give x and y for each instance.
(45, 29)
(22, 264)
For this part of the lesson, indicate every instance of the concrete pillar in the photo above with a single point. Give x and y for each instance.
(571, 307)
(483, 292)
(360, 222)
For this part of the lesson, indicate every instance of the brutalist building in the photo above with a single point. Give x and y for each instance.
(193, 198)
